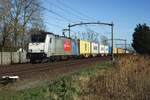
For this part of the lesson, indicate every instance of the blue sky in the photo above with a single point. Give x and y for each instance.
(125, 14)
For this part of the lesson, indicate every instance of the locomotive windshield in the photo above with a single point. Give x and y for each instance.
(38, 38)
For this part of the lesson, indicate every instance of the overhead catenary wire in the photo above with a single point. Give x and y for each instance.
(59, 15)
(56, 18)
(53, 25)
(66, 11)
(53, 12)
(73, 10)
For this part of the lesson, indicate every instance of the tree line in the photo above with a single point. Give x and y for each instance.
(21, 18)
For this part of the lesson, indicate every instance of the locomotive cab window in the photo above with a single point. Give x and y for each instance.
(50, 40)
(38, 38)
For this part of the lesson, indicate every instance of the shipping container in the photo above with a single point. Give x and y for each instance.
(110, 50)
(84, 47)
(106, 50)
(127, 51)
(101, 49)
(120, 51)
(94, 48)
(115, 50)
(74, 45)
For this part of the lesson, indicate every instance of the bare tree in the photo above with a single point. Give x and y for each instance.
(26, 14)
(5, 28)
(21, 15)
(104, 40)
(90, 35)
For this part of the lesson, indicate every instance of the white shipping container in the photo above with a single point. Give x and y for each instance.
(101, 49)
(106, 49)
(94, 48)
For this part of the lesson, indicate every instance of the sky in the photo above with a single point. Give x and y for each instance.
(125, 14)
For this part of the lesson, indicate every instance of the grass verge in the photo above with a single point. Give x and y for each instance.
(65, 87)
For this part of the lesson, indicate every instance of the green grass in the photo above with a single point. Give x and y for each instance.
(69, 87)
(65, 87)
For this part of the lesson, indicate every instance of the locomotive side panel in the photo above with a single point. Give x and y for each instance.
(59, 50)
(50, 45)
(62, 46)
(67, 46)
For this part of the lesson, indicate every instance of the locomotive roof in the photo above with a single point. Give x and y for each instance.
(42, 32)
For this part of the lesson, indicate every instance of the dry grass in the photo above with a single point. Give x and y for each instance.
(128, 80)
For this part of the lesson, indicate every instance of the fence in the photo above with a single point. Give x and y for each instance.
(7, 58)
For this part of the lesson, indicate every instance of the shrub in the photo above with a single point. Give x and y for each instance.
(128, 80)
(141, 39)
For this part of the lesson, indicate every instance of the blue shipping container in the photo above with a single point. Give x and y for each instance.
(110, 49)
(74, 45)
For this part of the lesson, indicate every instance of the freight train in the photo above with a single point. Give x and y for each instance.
(51, 47)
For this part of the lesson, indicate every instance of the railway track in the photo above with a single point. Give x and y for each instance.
(27, 70)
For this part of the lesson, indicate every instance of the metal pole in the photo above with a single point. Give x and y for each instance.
(69, 30)
(11, 60)
(63, 33)
(125, 46)
(112, 42)
(1, 56)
